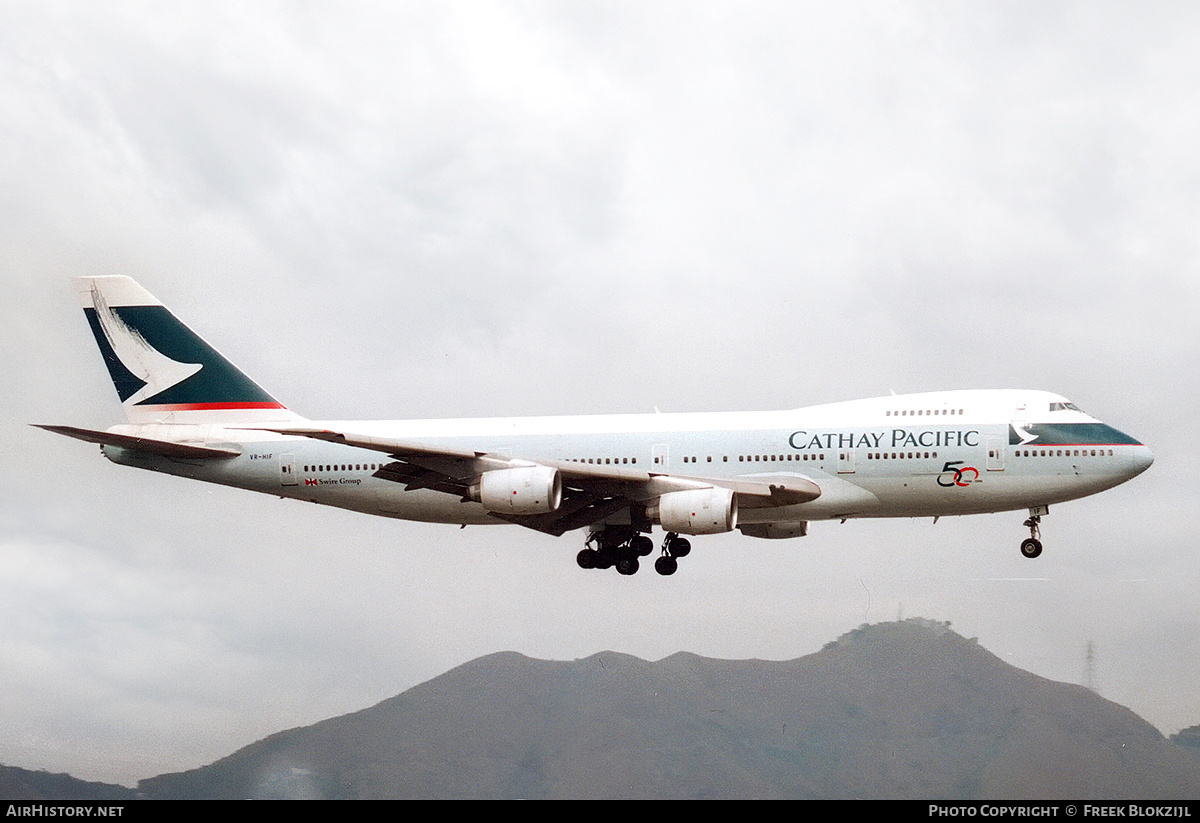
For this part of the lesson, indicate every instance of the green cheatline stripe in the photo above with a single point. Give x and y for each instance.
(1072, 434)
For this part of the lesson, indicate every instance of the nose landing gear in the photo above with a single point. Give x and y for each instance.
(1032, 546)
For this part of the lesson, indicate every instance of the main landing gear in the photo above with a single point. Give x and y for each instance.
(1032, 546)
(623, 546)
(618, 546)
(673, 548)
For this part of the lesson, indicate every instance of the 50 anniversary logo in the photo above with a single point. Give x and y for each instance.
(957, 477)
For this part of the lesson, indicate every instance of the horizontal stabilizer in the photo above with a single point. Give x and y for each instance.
(166, 448)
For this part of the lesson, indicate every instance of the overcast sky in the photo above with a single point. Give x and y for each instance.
(390, 210)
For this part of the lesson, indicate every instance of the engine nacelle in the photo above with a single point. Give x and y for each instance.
(697, 511)
(523, 490)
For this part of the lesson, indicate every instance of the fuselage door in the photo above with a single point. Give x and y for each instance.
(1020, 416)
(845, 460)
(287, 470)
(660, 458)
(995, 454)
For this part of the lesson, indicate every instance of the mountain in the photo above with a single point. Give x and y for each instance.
(24, 784)
(895, 710)
(1189, 738)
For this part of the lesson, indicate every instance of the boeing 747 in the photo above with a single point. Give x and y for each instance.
(191, 413)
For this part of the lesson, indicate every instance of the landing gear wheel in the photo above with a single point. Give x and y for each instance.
(628, 565)
(1032, 546)
(641, 545)
(676, 546)
(665, 565)
(587, 558)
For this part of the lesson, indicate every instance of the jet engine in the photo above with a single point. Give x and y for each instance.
(523, 490)
(696, 511)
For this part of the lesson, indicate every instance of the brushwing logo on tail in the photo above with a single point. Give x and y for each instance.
(155, 361)
(155, 370)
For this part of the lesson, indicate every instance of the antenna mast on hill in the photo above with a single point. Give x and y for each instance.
(1089, 667)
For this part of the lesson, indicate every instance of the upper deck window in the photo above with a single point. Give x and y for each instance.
(1064, 407)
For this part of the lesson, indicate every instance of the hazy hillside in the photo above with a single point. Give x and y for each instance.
(906, 709)
(25, 784)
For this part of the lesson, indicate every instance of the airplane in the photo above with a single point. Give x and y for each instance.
(767, 474)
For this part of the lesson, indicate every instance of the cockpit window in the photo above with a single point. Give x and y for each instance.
(1064, 407)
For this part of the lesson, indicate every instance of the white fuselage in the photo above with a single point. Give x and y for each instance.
(935, 454)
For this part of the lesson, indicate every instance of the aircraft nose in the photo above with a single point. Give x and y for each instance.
(1136, 461)
(1142, 459)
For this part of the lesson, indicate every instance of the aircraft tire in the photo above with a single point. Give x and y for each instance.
(642, 545)
(586, 559)
(680, 547)
(666, 565)
(628, 565)
(1031, 547)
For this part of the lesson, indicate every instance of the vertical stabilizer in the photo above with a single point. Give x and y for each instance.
(162, 370)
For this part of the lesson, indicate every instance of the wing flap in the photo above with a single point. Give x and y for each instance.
(578, 509)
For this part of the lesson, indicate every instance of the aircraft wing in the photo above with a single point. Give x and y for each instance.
(590, 492)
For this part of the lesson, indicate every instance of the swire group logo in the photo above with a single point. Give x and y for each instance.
(953, 474)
